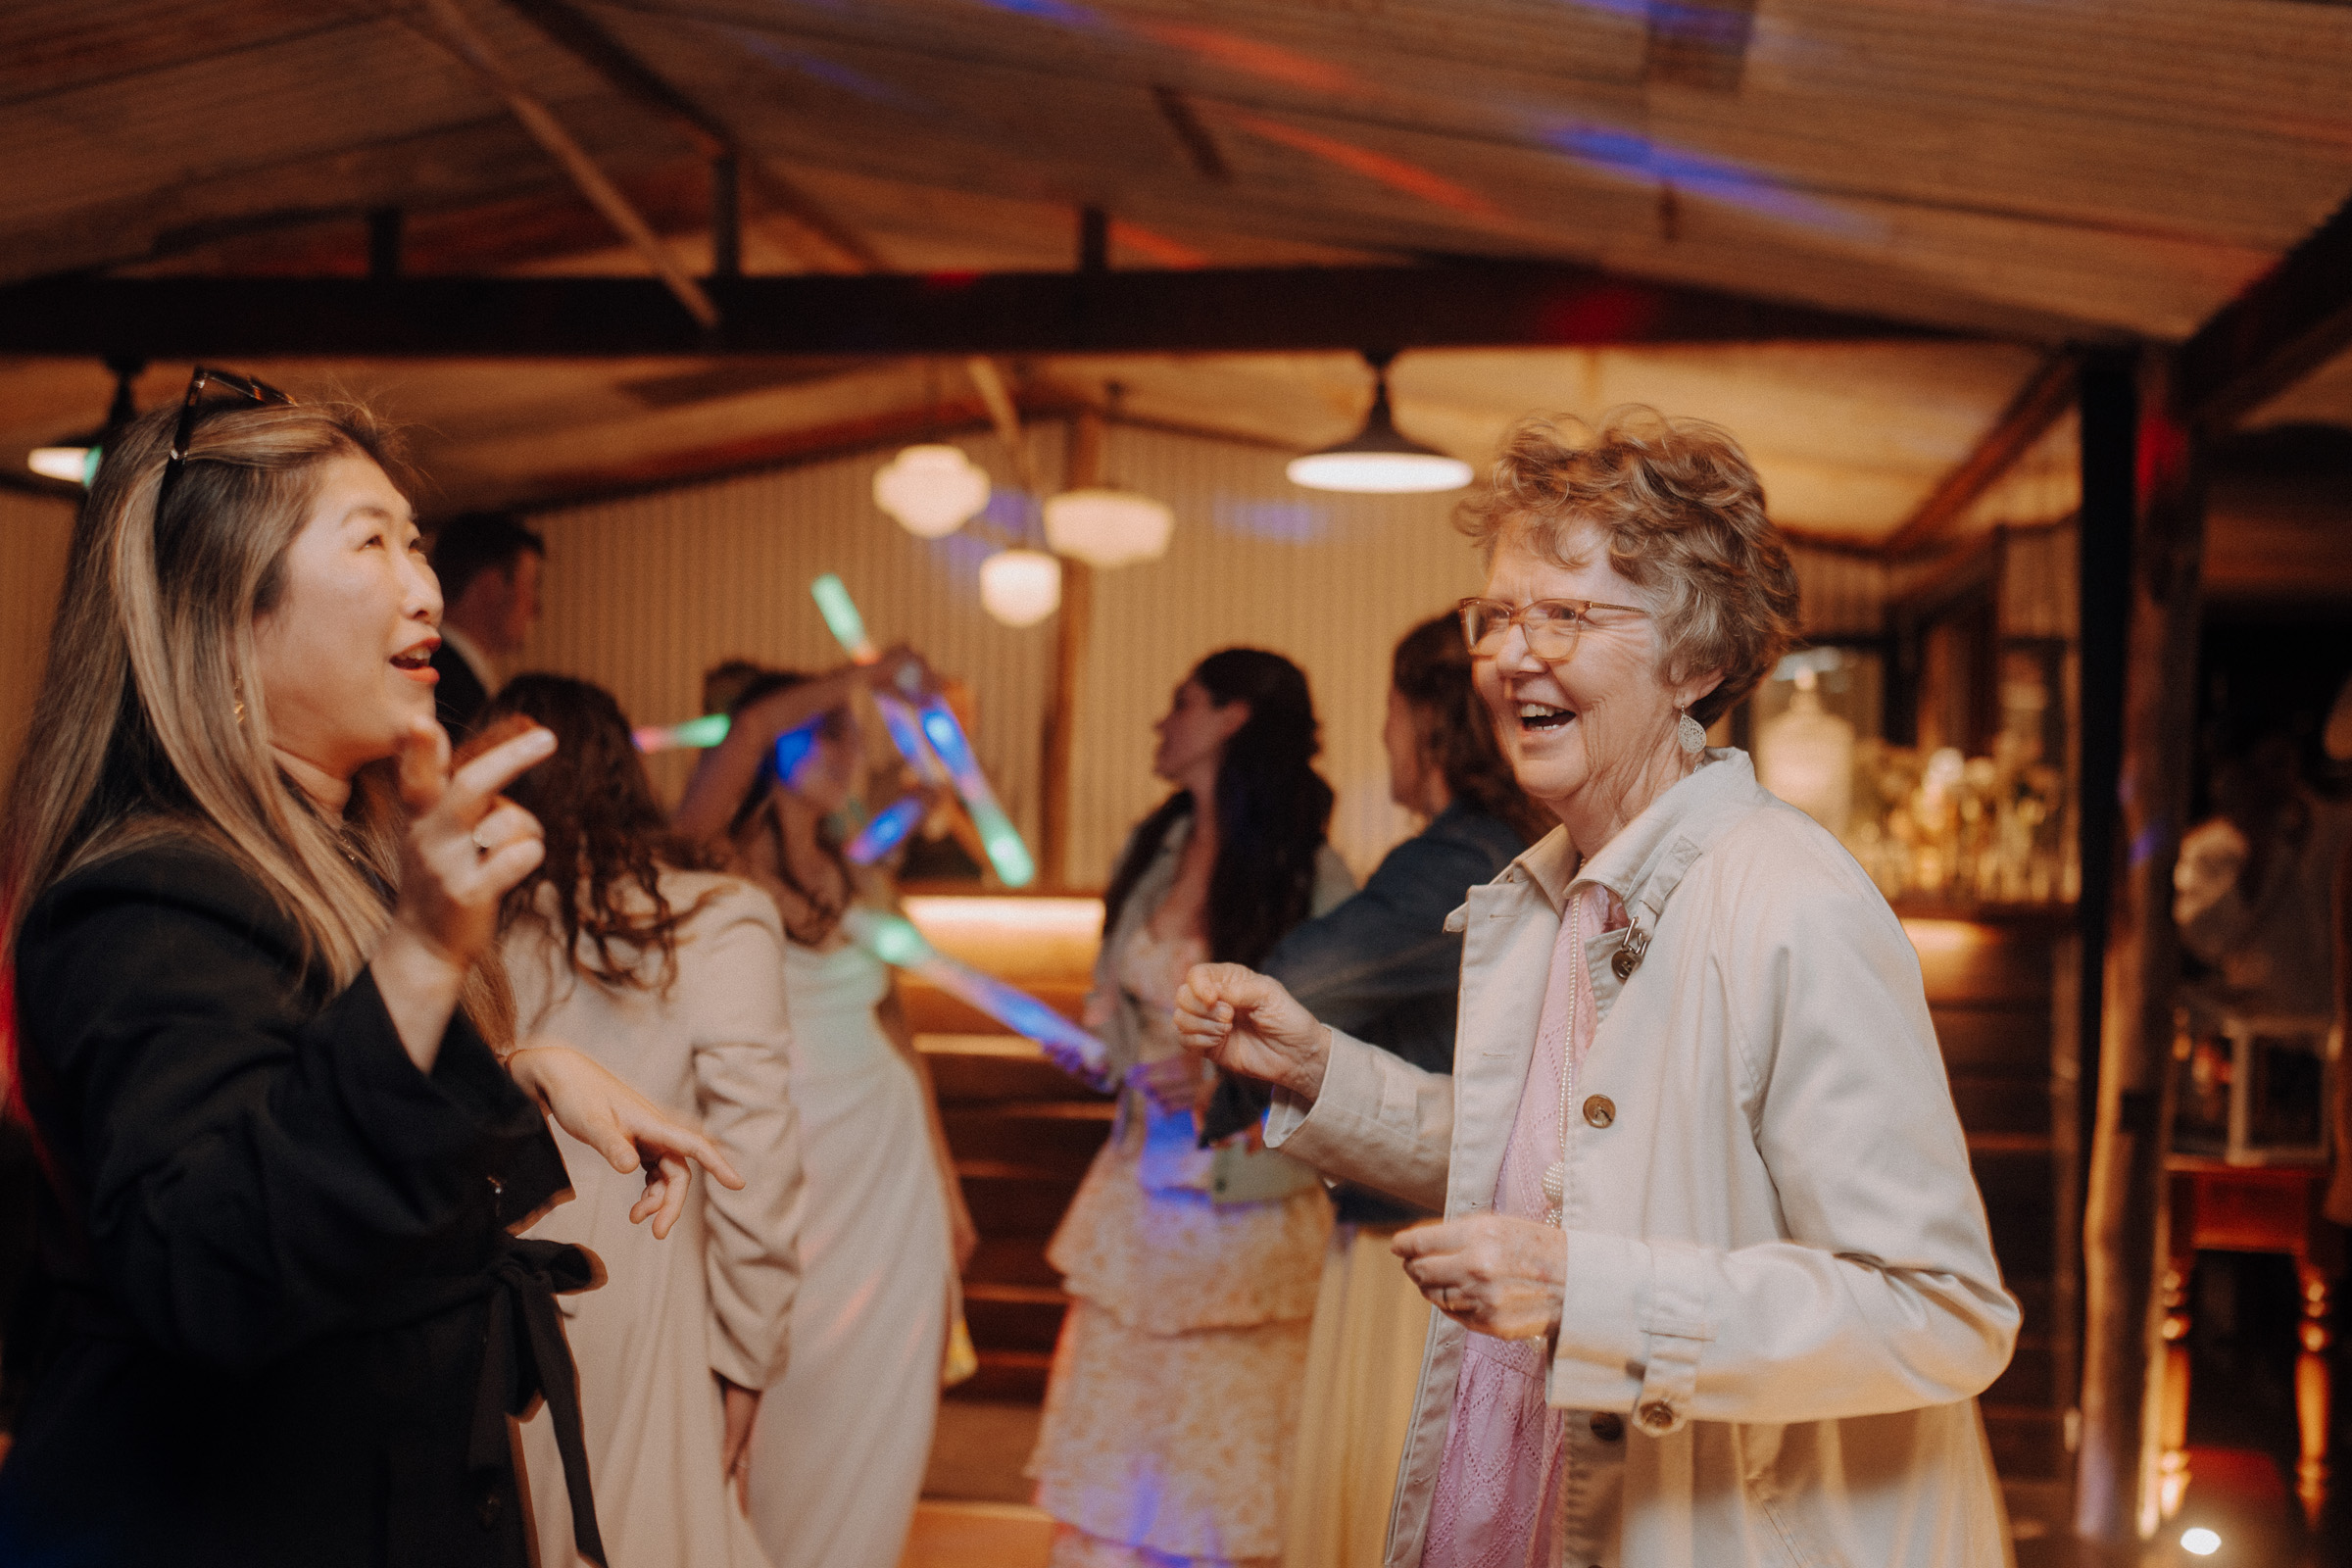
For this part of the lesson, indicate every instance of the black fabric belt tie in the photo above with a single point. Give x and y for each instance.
(524, 1357)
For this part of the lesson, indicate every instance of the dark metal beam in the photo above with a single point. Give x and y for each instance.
(2046, 395)
(2281, 328)
(1209, 310)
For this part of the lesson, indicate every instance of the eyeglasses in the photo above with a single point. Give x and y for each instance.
(1552, 625)
(239, 387)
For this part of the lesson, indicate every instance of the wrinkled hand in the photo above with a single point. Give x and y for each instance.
(1248, 1024)
(466, 846)
(624, 1126)
(1491, 1273)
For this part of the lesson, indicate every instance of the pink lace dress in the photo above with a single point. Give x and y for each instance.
(1498, 1483)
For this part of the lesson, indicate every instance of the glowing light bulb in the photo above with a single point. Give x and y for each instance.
(932, 490)
(1020, 587)
(2200, 1541)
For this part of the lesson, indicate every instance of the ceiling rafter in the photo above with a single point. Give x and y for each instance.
(2044, 398)
(594, 46)
(1211, 309)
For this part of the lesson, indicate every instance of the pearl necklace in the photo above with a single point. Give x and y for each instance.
(1555, 1177)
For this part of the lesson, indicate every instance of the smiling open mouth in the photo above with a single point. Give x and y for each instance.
(418, 657)
(1543, 716)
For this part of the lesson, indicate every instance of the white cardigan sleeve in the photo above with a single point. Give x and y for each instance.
(1885, 1295)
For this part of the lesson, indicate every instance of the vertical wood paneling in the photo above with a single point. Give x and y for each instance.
(2039, 596)
(1842, 594)
(33, 534)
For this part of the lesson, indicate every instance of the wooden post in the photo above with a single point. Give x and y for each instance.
(2117, 1493)
(1072, 626)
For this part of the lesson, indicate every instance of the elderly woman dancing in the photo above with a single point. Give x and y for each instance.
(1713, 1276)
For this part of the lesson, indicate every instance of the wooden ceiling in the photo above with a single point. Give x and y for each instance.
(2020, 175)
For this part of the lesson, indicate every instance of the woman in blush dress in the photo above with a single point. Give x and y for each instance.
(672, 978)
(1173, 1406)
(837, 1457)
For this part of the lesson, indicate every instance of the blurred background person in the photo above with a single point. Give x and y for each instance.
(1173, 1405)
(837, 1460)
(489, 566)
(1384, 967)
(672, 977)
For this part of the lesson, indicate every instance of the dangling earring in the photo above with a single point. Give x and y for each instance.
(240, 698)
(1690, 734)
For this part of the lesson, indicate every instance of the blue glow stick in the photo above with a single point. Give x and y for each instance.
(887, 831)
(895, 941)
(793, 746)
(998, 836)
(936, 742)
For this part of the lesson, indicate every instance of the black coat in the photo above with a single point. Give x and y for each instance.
(288, 1318)
(460, 696)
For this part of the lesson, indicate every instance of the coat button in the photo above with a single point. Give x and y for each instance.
(1606, 1427)
(1655, 1416)
(492, 1507)
(1601, 1110)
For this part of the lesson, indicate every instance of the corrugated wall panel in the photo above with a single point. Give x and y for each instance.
(33, 534)
(1330, 581)
(645, 593)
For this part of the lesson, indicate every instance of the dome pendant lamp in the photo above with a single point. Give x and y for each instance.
(1379, 460)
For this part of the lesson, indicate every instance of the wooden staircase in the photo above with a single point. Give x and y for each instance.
(1021, 1130)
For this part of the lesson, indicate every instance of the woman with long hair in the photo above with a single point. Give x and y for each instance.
(620, 945)
(1173, 1405)
(837, 1456)
(263, 1039)
(1384, 967)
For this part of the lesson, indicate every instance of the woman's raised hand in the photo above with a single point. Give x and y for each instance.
(1248, 1024)
(624, 1126)
(466, 846)
(465, 850)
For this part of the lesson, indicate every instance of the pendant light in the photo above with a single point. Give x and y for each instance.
(75, 459)
(932, 489)
(1377, 459)
(1106, 524)
(1020, 587)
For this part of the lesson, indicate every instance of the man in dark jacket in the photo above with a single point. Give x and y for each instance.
(489, 566)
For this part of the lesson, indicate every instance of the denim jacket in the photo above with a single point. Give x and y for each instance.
(1383, 969)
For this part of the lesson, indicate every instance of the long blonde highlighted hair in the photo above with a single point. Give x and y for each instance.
(152, 722)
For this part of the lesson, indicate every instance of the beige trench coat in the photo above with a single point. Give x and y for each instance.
(1779, 1270)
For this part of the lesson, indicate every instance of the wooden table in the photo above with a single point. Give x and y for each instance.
(2217, 1207)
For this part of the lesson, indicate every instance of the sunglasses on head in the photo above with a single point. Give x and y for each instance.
(239, 389)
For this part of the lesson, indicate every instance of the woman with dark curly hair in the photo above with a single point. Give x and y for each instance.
(1174, 1401)
(672, 977)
